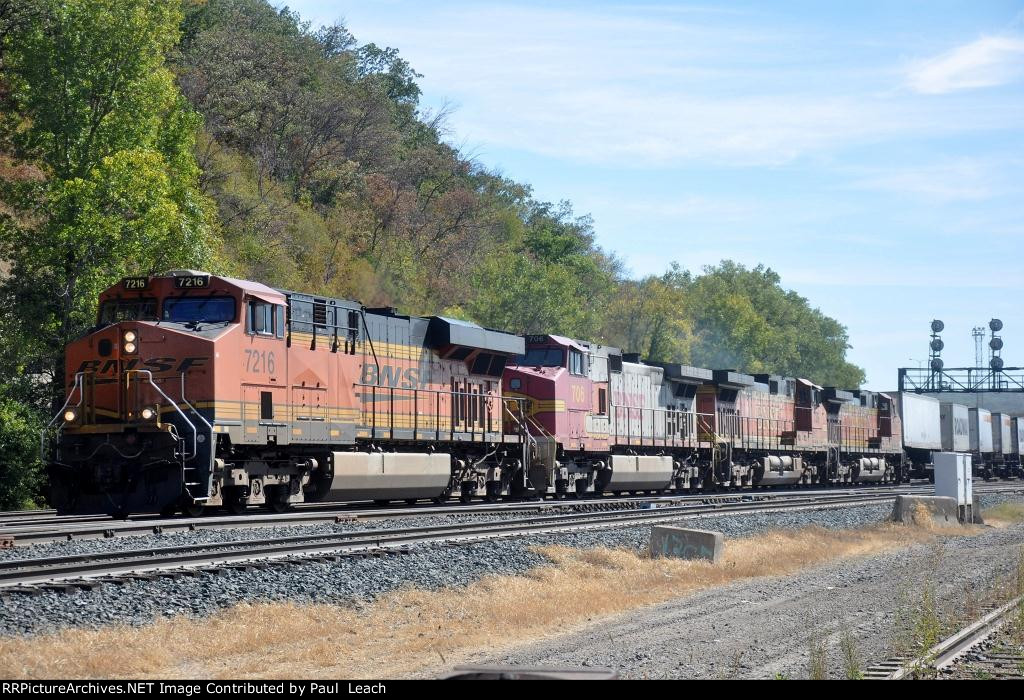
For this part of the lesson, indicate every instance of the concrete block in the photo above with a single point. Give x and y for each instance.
(682, 543)
(943, 510)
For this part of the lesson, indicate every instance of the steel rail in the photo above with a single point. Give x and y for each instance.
(84, 527)
(20, 572)
(946, 652)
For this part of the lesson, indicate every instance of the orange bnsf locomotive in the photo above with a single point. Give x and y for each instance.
(196, 390)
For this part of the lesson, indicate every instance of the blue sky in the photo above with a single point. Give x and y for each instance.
(872, 153)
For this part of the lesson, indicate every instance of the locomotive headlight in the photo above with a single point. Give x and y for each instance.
(129, 336)
(148, 413)
(129, 348)
(70, 415)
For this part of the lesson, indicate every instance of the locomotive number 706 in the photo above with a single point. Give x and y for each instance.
(259, 361)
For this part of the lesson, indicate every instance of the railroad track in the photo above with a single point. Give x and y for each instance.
(73, 572)
(54, 528)
(951, 651)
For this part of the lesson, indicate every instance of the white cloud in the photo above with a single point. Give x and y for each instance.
(988, 62)
(646, 88)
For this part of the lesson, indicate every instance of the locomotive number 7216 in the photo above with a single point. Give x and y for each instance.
(259, 361)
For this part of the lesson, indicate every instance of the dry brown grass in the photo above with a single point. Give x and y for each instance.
(1004, 514)
(411, 631)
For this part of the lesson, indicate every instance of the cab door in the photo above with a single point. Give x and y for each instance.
(803, 409)
(265, 395)
(707, 413)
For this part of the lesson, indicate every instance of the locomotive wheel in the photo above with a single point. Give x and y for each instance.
(277, 506)
(235, 503)
(191, 509)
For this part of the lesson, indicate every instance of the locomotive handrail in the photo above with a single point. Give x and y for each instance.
(472, 428)
(174, 404)
(373, 351)
(60, 414)
(189, 404)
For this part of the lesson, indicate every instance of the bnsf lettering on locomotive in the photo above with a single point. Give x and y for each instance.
(154, 364)
(393, 377)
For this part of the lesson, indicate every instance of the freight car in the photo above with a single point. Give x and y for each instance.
(1002, 448)
(922, 431)
(196, 390)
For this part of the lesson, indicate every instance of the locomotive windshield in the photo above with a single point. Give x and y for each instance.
(128, 310)
(199, 310)
(540, 357)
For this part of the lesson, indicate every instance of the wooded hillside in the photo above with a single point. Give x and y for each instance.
(142, 135)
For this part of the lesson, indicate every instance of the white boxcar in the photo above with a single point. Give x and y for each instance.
(981, 430)
(955, 425)
(1017, 435)
(919, 416)
(1001, 433)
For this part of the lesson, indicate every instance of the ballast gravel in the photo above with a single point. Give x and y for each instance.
(856, 610)
(355, 580)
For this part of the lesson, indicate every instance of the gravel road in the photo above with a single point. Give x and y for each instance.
(765, 628)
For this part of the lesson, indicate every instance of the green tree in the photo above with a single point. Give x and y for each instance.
(652, 316)
(112, 139)
(744, 319)
(21, 476)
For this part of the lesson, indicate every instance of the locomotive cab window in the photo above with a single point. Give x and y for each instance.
(540, 357)
(576, 365)
(128, 310)
(262, 318)
(199, 310)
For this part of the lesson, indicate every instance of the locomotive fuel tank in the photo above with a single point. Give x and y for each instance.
(871, 469)
(638, 473)
(366, 476)
(779, 470)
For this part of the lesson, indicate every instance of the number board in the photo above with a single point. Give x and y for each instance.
(136, 283)
(536, 339)
(192, 282)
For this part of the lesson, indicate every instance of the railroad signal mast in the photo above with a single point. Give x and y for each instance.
(995, 377)
(934, 356)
